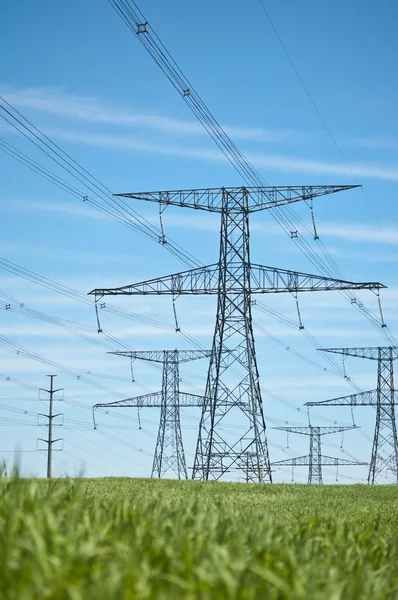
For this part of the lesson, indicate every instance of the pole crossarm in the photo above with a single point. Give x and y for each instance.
(259, 198)
(158, 355)
(330, 461)
(263, 280)
(368, 398)
(312, 430)
(370, 352)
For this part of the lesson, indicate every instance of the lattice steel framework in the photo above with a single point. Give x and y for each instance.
(169, 452)
(385, 440)
(315, 459)
(233, 386)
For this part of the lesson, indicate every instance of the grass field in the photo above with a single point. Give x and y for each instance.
(149, 539)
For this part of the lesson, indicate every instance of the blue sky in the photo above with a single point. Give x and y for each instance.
(80, 76)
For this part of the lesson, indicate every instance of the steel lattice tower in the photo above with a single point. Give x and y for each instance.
(385, 440)
(169, 451)
(233, 385)
(315, 459)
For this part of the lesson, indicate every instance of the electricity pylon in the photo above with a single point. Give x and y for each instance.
(169, 451)
(383, 398)
(233, 379)
(315, 459)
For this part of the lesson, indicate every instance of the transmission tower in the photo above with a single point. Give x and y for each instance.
(385, 440)
(233, 392)
(315, 460)
(169, 451)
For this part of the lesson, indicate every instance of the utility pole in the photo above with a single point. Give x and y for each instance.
(315, 459)
(169, 451)
(385, 440)
(233, 393)
(50, 441)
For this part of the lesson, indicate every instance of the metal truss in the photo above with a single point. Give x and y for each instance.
(371, 352)
(169, 452)
(315, 460)
(368, 398)
(325, 461)
(158, 356)
(232, 392)
(258, 198)
(263, 280)
(385, 439)
(154, 400)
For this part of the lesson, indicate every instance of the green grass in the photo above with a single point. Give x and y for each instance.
(136, 538)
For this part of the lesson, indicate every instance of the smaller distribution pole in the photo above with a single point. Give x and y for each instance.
(50, 441)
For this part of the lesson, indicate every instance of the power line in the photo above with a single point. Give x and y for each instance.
(327, 129)
(101, 197)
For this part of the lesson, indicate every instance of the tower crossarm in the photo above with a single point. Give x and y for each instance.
(336, 462)
(296, 461)
(153, 400)
(271, 279)
(373, 352)
(186, 400)
(205, 280)
(259, 198)
(327, 461)
(313, 430)
(368, 398)
(158, 356)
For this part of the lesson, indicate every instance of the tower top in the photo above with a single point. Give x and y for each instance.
(236, 199)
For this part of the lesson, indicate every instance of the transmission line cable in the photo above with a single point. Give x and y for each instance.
(327, 128)
(102, 199)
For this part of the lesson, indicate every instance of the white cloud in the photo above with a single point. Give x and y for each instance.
(92, 110)
(361, 170)
(361, 232)
(80, 210)
(379, 142)
(279, 163)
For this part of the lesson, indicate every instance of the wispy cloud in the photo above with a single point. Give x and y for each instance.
(361, 232)
(94, 110)
(354, 232)
(300, 165)
(57, 101)
(82, 210)
(381, 142)
(278, 163)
